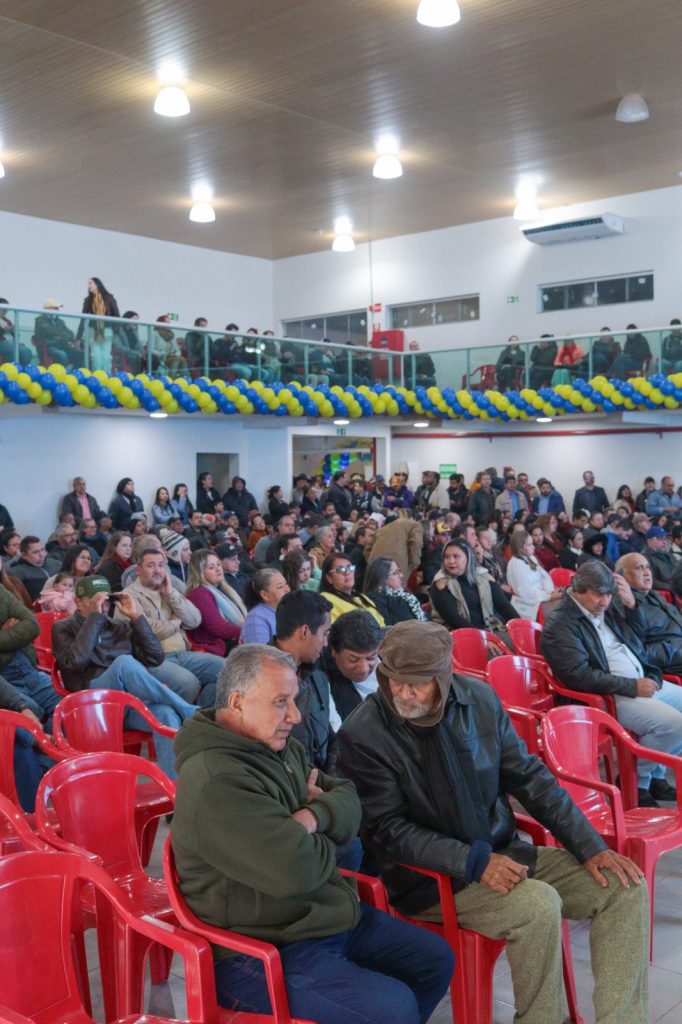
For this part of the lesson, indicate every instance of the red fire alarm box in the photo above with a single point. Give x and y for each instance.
(389, 341)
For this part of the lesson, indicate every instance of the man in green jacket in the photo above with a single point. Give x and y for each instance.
(18, 630)
(255, 833)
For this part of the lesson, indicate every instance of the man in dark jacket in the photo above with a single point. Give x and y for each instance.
(95, 651)
(339, 495)
(435, 758)
(239, 500)
(254, 835)
(79, 503)
(593, 644)
(548, 501)
(657, 553)
(482, 501)
(590, 496)
(30, 566)
(18, 630)
(661, 622)
(350, 660)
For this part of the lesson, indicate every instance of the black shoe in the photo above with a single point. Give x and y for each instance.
(645, 799)
(661, 789)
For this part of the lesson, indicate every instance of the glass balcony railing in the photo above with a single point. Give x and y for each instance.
(167, 349)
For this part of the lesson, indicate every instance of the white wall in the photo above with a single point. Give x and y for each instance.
(49, 259)
(615, 459)
(493, 258)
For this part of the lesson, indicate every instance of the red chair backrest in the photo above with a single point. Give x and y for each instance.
(520, 682)
(92, 720)
(11, 815)
(561, 577)
(94, 798)
(43, 642)
(525, 635)
(10, 721)
(470, 649)
(571, 737)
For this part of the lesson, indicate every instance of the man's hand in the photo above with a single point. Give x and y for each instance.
(127, 605)
(624, 590)
(646, 687)
(503, 873)
(96, 604)
(307, 819)
(622, 867)
(8, 623)
(313, 789)
(33, 718)
(166, 588)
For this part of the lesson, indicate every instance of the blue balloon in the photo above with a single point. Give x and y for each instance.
(47, 381)
(176, 391)
(667, 387)
(626, 389)
(138, 388)
(556, 401)
(13, 390)
(483, 402)
(678, 394)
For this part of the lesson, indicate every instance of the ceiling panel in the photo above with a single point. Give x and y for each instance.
(288, 97)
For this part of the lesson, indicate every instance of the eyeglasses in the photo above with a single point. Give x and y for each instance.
(345, 570)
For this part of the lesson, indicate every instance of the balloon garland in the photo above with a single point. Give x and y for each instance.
(56, 385)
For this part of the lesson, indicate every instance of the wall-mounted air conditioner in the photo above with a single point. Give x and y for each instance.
(579, 230)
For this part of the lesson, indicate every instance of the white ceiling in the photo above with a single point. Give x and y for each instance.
(288, 97)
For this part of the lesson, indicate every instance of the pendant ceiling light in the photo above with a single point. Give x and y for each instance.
(171, 102)
(387, 164)
(202, 211)
(438, 13)
(632, 108)
(526, 199)
(343, 237)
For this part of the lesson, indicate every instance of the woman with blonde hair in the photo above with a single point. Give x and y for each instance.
(222, 609)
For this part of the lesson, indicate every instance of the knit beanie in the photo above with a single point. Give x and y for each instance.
(172, 543)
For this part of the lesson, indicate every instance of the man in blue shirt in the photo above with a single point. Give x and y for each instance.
(549, 501)
(664, 501)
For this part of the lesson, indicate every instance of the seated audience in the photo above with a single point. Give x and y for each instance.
(64, 537)
(266, 550)
(169, 614)
(196, 532)
(435, 759)
(263, 594)
(490, 560)
(55, 342)
(542, 358)
(569, 555)
(207, 495)
(94, 651)
(676, 542)
(462, 593)
(660, 629)
(15, 586)
(77, 562)
(298, 491)
(181, 504)
(124, 503)
(384, 587)
(178, 552)
(221, 608)
(625, 500)
(162, 509)
(29, 567)
(231, 565)
(28, 766)
(531, 585)
(300, 572)
(338, 586)
(277, 506)
(635, 357)
(665, 500)
(544, 551)
(592, 645)
(594, 550)
(79, 503)
(510, 365)
(18, 630)
(349, 662)
(9, 544)
(657, 553)
(347, 959)
(60, 596)
(324, 543)
(116, 559)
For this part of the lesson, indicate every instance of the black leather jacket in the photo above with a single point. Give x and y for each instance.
(404, 813)
(662, 624)
(571, 645)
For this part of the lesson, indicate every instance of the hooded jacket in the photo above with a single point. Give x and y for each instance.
(244, 863)
(435, 790)
(21, 635)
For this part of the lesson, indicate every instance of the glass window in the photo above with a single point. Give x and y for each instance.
(357, 328)
(604, 291)
(613, 290)
(580, 295)
(436, 311)
(641, 288)
(338, 327)
(553, 298)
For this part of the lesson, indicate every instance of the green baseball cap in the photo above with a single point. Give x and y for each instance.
(88, 586)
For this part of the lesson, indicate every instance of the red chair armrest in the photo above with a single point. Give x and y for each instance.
(370, 889)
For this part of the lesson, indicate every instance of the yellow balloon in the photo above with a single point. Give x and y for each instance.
(656, 396)
(156, 388)
(607, 390)
(204, 400)
(115, 385)
(380, 407)
(588, 405)
(670, 402)
(285, 396)
(80, 393)
(327, 409)
(194, 391)
(23, 380)
(646, 388)
(173, 407)
(124, 396)
(165, 399)
(503, 404)
(57, 371)
(90, 402)
(211, 407)
(70, 381)
(10, 371)
(133, 402)
(44, 398)
(34, 390)
(274, 403)
(101, 376)
(241, 401)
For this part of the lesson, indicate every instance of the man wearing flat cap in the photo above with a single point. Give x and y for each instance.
(435, 759)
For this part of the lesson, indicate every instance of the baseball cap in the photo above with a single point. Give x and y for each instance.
(88, 586)
(655, 531)
(442, 528)
(379, 479)
(226, 550)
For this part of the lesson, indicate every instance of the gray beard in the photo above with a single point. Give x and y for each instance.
(414, 709)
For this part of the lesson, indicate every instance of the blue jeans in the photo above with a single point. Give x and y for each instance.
(657, 721)
(192, 674)
(127, 674)
(383, 971)
(34, 686)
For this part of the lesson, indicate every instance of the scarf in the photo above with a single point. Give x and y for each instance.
(484, 592)
(230, 606)
(410, 600)
(99, 308)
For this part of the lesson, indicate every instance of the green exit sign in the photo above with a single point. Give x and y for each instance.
(512, 298)
(340, 431)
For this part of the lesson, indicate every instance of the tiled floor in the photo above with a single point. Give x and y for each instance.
(665, 974)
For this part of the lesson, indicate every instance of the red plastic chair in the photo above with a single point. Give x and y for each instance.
(10, 721)
(40, 911)
(571, 739)
(8, 1016)
(521, 682)
(93, 798)
(264, 951)
(486, 378)
(561, 577)
(525, 635)
(471, 988)
(43, 643)
(471, 651)
(92, 720)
